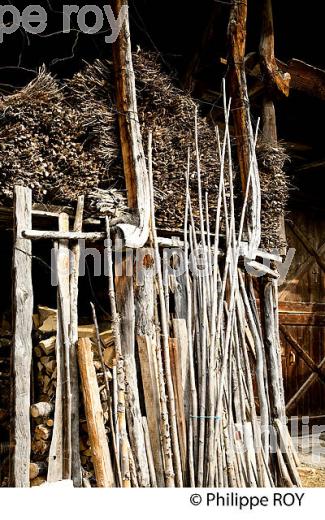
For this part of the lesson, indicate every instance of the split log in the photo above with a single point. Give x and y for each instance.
(22, 341)
(37, 469)
(38, 481)
(48, 345)
(42, 432)
(40, 446)
(99, 448)
(41, 409)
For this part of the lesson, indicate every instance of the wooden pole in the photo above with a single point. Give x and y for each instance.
(94, 414)
(274, 81)
(75, 257)
(164, 331)
(238, 86)
(120, 375)
(22, 341)
(134, 164)
(59, 466)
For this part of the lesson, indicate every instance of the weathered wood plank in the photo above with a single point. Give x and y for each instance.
(22, 341)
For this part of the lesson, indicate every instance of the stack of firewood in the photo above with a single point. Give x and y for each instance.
(42, 412)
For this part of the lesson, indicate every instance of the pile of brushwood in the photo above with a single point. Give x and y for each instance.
(62, 141)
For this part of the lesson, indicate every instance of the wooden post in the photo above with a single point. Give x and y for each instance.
(135, 169)
(125, 308)
(94, 414)
(22, 341)
(74, 276)
(238, 86)
(274, 81)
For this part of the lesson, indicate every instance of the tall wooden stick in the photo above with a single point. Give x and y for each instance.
(22, 341)
(164, 329)
(74, 276)
(122, 433)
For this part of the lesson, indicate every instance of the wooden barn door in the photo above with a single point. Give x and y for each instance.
(302, 317)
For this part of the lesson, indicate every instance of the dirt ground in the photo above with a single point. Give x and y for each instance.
(312, 477)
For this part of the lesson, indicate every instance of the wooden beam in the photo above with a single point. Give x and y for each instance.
(238, 86)
(94, 414)
(304, 77)
(34, 234)
(134, 163)
(273, 78)
(22, 340)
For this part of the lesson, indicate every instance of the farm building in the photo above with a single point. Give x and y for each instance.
(162, 235)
